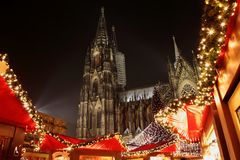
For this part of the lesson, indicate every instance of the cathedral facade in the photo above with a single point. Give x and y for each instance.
(105, 106)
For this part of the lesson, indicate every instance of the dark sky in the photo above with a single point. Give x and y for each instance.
(46, 42)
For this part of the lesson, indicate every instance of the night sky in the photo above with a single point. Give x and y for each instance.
(46, 43)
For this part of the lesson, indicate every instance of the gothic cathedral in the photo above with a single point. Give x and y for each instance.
(100, 83)
(105, 106)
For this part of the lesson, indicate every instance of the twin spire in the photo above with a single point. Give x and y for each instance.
(176, 51)
(101, 35)
(101, 38)
(114, 40)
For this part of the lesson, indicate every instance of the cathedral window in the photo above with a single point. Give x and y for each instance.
(99, 116)
(188, 90)
(105, 77)
(167, 96)
(90, 121)
(95, 87)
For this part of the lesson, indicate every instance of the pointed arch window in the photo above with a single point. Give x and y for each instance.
(188, 90)
(99, 117)
(90, 119)
(95, 87)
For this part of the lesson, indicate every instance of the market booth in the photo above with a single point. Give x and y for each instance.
(108, 147)
(158, 152)
(221, 134)
(17, 113)
(227, 88)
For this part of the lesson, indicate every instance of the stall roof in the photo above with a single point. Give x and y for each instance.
(16, 108)
(53, 142)
(12, 110)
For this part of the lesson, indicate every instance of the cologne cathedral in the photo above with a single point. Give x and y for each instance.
(105, 106)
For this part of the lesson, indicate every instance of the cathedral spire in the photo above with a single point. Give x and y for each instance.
(101, 35)
(177, 53)
(114, 40)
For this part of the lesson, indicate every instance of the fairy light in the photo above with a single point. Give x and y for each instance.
(146, 152)
(211, 31)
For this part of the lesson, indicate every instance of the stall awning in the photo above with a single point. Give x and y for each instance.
(53, 142)
(110, 144)
(12, 110)
(188, 122)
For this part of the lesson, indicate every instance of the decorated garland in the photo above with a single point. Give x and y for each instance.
(87, 143)
(157, 103)
(212, 43)
(146, 152)
(106, 137)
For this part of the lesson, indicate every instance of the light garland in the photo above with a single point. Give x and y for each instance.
(71, 146)
(213, 35)
(61, 140)
(188, 149)
(106, 137)
(21, 94)
(87, 143)
(187, 154)
(146, 152)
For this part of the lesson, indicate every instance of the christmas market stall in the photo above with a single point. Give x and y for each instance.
(179, 138)
(17, 115)
(107, 147)
(220, 51)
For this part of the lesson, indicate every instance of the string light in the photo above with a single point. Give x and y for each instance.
(146, 152)
(88, 142)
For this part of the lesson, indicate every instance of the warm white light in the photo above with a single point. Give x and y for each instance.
(207, 64)
(220, 40)
(223, 24)
(211, 31)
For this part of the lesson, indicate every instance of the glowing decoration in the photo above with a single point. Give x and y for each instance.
(214, 20)
(54, 142)
(146, 152)
(211, 31)
(188, 149)
(157, 103)
(153, 134)
(4, 67)
(64, 155)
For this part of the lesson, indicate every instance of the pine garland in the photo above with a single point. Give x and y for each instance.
(157, 103)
